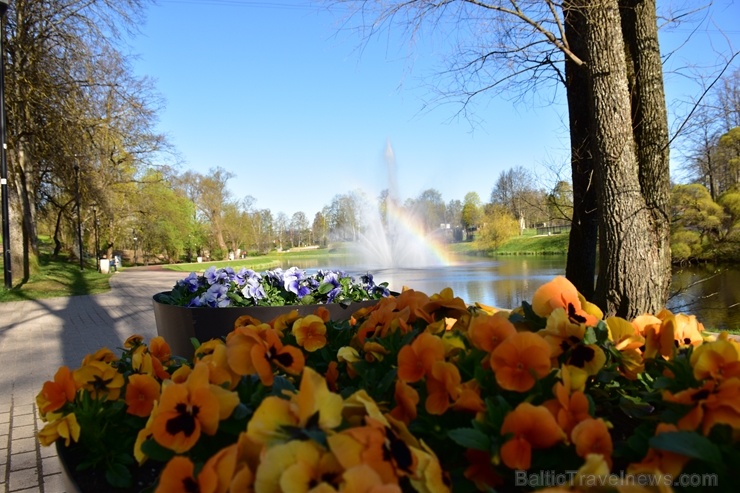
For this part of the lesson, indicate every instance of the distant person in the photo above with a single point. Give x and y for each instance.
(116, 263)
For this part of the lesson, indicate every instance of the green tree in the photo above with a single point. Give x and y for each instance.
(697, 222)
(164, 220)
(498, 226)
(472, 213)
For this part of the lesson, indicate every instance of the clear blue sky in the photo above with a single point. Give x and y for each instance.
(300, 111)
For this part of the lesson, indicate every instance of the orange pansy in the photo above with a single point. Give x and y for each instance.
(569, 406)
(486, 332)
(481, 471)
(185, 410)
(591, 436)
(332, 376)
(310, 333)
(213, 353)
(133, 341)
(272, 352)
(219, 470)
(407, 398)
(446, 301)
(282, 322)
(178, 476)
(160, 349)
(532, 427)
(55, 394)
(414, 301)
(443, 387)
(60, 427)
(363, 479)
(104, 355)
(416, 359)
(717, 359)
(713, 403)
(469, 399)
(519, 360)
(558, 293)
(100, 379)
(323, 313)
(141, 392)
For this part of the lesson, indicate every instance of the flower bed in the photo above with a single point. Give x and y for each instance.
(417, 393)
(224, 287)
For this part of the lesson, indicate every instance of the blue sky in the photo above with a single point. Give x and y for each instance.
(299, 110)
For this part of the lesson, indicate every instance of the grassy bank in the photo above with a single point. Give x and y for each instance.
(56, 278)
(527, 244)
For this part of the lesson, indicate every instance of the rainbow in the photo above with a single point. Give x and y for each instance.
(436, 250)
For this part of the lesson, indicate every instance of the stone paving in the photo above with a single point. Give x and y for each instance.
(36, 337)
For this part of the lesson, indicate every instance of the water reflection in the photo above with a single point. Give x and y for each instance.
(712, 295)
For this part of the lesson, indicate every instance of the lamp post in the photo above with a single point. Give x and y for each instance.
(95, 225)
(135, 247)
(3, 160)
(79, 222)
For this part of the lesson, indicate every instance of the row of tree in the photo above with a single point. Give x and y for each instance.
(175, 217)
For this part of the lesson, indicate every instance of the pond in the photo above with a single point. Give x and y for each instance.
(710, 292)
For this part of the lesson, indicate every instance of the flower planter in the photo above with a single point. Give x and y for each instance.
(179, 324)
(93, 481)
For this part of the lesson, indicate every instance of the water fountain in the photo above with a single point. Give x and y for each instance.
(396, 240)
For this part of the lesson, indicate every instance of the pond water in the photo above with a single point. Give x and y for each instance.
(712, 293)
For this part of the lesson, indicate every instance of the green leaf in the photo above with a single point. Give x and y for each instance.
(155, 451)
(688, 443)
(118, 476)
(634, 407)
(590, 336)
(470, 438)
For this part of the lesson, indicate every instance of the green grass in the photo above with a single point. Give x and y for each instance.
(57, 278)
(527, 244)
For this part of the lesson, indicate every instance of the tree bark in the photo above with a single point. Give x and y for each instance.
(650, 127)
(631, 266)
(582, 243)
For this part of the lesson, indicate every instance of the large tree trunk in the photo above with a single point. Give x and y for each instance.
(581, 262)
(650, 126)
(631, 265)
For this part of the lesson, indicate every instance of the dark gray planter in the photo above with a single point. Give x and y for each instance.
(179, 324)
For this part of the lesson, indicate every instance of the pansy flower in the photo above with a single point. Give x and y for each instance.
(297, 465)
(141, 392)
(377, 446)
(561, 293)
(591, 436)
(713, 403)
(486, 332)
(186, 410)
(310, 333)
(270, 352)
(100, 380)
(531, 427)
(416, 359)
(443, 387)
(519, 360)
(178, 476)
(65, 427)
(717, 359)
(569, 406)
(55, 394)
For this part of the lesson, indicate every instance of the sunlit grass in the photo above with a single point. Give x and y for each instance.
(57, 278)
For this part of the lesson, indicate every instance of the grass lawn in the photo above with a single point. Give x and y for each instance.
(57, 278)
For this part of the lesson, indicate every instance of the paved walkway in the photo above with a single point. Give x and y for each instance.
(37, 337)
